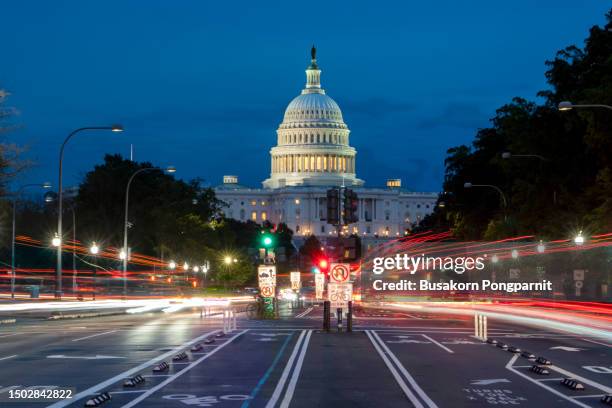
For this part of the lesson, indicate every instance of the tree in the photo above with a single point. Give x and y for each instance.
(161, 208)
(571, 188)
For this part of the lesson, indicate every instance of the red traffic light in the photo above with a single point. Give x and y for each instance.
(323, 264)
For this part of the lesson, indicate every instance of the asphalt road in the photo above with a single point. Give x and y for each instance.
(391, 359)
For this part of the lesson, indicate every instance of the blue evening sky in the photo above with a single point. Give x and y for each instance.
(203, 85)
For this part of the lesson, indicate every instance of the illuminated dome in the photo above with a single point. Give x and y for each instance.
(313, 140)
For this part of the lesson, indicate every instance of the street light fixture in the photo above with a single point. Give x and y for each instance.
(56, 241)
(58, 268)
(196, 269)
(514, 254)
(45, 185)
(168, 169)
(508, 155)
(94, 249)
(171, 265)
(227, 260)
(541, 248)
(185, 266)
(579, 239)
(567, 105)
(495, 259)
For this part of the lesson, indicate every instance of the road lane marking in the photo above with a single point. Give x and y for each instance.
(10, 335)
(403, 370)
(7, 357)
(557, 393)
(127, 392)
(596, 342)
(442, 346)
(296, 373)
(268, 372)
(180, 373)
(589, 396)
(400, 381)
(95, 335)
(304, 313)
(283, 379)
(128, 373)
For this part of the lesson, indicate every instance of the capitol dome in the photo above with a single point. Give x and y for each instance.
(313, 140)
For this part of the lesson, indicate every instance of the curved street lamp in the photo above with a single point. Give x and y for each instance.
(501, 193)
(508, 155)
(169, 169)
(567, 105)
(58, 268)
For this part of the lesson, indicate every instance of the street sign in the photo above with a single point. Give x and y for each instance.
(339, 294)
(579, 284)
(266, 275)
(267, 291)
(578, 274)
(339, 272)
(295, 280)
(319, 285)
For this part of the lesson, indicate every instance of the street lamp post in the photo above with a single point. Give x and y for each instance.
(58, 269)
(126, 252)
(94, 249)
(15, 199)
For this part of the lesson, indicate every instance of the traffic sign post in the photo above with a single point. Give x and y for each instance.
(339, 272)
(319, 285)
(295, 280)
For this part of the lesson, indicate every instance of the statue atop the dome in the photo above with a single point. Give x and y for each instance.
(313, 52)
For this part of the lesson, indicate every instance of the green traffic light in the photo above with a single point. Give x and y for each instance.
(267, 241)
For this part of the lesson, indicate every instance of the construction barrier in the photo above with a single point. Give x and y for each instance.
(572, 384)
(134, 381)
(98, 400)
(180, 356)
(539, 370)
(163, 366)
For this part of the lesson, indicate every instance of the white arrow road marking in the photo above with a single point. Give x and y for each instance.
(408, 341)
(565, 348)
(96, 357)
(490, 381)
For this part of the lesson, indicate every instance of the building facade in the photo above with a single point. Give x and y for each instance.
(313, 154)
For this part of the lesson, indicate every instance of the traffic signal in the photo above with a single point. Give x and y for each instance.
(351, 204)
(266, 239)
(333, 198)
(321, 265)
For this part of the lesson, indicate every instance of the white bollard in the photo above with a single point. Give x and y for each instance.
(485, 334)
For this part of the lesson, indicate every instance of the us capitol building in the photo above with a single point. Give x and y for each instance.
(311, 155)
